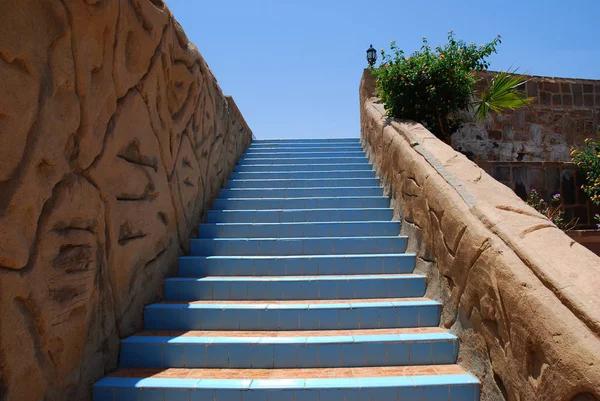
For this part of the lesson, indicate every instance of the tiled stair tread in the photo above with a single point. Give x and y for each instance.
(361, 209)
(383, 237)
(299, 304)
(224, 338)
(298, 278)
(306, 373)
(292, 333)
(305, 198)
(257, 257)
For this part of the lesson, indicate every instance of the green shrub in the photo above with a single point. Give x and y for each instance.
(588, 159)
(553, 210)
(431, 85)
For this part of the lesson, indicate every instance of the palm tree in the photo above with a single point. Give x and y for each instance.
(503, 94)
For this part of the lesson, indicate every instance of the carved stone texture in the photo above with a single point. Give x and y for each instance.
(114, 138)
(521, 295)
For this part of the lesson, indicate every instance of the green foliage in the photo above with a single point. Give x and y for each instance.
(503, 94)
(431, 85)
(553, 210)
(588, 159)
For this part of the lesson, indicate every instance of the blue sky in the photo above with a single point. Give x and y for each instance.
(294, 66)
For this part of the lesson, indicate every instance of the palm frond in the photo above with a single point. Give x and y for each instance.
(503, 94)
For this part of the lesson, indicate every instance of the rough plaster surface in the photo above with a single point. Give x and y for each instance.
(114, 139)
(521, 295)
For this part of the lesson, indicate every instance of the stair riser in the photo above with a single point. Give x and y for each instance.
(304, 154)
(308, 142)
(230, 318)
(214, 266)
(193, 290)
(395, 389)
(297, 230)
(314, 203)
(303, 160)
(303, 167)
(296, 246)
(281, 356)
(301, 192)
(286, 216)
(300, 175)
(310, 183)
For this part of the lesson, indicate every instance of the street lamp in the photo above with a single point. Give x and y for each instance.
(371, 56)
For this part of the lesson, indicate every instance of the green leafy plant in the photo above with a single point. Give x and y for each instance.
(432, 85)
(587, 158)
(553, 211)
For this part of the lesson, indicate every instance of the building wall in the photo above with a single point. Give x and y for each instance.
(564, 112)
(114, 139)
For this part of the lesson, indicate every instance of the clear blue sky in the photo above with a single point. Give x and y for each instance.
(294, 66)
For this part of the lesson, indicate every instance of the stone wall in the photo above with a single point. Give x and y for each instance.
(520, 294)
(564, 112)
(114, 140)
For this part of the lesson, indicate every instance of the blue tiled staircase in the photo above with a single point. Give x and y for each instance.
(297, 289)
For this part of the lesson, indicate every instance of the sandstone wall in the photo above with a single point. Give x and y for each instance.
(521, 295)
(114, 139)
(564, 112)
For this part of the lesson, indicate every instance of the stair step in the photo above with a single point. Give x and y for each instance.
(272, 161)
(293, 315)
(303, 174)
(301, 203)
(303, 167)
(422, 383)
(292, 193)
(304, 183)
(307, 141)
(290, 230)
(294, 287)
(296, 246)
(199, 266)
(269, 352)
(304, 154)
(298, 215)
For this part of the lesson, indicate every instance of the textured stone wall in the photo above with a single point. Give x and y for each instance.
(564, 112)
(114, 139)
(520, 294)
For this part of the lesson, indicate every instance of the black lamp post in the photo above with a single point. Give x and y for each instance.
(371, 56)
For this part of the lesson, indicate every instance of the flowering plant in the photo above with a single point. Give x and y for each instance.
(553, 210)
(588, 159)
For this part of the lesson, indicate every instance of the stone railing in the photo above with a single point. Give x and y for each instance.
(114, 139)
(521, 295)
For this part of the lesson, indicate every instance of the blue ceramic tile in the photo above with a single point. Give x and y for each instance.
(173, 356)
(397, 354)
(152, 395)
(195, 356)
(345, 289)
(306, 395)
(217, 356)
(384, 394)
(229, 319)
(327, 289)
(420, 353)
(228, 395)
(443, 352)
(275, 395)
(352, 355)
(254, 395)
(464, 392)
(429, 316)
(358, 395)
(209, 318)
(292, 290)
(409, 316)
(249, 319)
(239, 356)
(104, 394)
(224, 384)
(150, 355)
(364, 289)
(275, 384)
(269, 319)
(435, 393)
(130, 354)
(203, 291)
(308, 356)
(125, 394)
(256, 290)
(238, 290)
(262, 356)
(309, 320)
(331, 395)
(329, 355)
(388, 317)
(369, 318)
(285, 356)
(220, 290)
(274, 290)
(375, 354)
(173, 394)
(349, 318)
(288, 319)
(411, 393)
(328, 319)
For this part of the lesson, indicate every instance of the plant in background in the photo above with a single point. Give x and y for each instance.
(432, 85)
(587, 158)
(553, 210)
